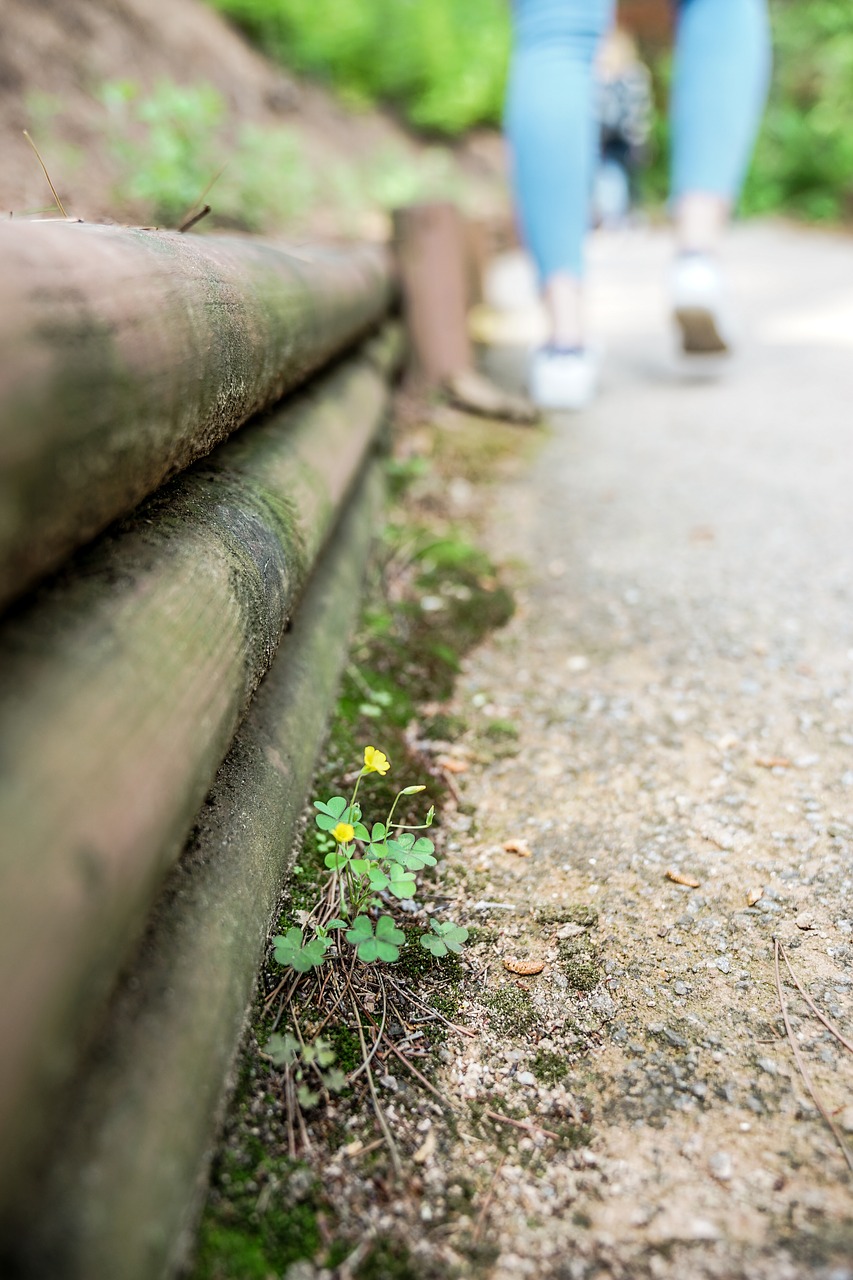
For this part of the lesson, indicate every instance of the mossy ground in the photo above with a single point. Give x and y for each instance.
(431, 595)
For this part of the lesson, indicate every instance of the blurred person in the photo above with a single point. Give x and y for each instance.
(721, 75)
(623, 110)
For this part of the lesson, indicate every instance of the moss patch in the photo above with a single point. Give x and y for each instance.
(550, 1067)
(511, 1011)
(580, 965)
(572, 913)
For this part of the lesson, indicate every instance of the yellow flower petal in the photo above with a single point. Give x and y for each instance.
(343, 833)
(376, 761)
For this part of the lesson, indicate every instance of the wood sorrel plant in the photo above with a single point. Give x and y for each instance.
(365, 863)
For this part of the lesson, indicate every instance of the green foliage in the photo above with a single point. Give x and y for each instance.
(306, 1061)
(366, 862)
(174, 145)
(293, 952)
(804, 160)
(380, 943)
(443, 938)
(443, 63)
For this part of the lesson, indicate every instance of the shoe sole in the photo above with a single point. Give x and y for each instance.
(700, 333)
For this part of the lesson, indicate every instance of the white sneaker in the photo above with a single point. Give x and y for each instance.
(563, 379)
(698, 305)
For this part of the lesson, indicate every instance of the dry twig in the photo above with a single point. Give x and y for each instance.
(801, 1066)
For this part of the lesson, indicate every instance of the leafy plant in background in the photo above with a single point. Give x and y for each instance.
(442, 63)
(804, 159)
(173, 145)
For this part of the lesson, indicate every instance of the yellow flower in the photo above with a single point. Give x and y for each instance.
(343, 833)
(376, 761)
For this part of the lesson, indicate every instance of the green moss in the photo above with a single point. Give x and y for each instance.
(389, 1259)
(346, 1044)
(572, 913)
(580, 965)
(501, 731)
(443, 725)
(416, 963)
(480, 934)
(550, 1067)
(239, 1242)
(511, 1011)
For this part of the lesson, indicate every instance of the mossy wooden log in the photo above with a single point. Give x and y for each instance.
(127, 354)
(120, 692)
(121, 1186)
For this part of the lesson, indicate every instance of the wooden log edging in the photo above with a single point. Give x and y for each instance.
(120, 1195)
(121, 689)
(127, 354)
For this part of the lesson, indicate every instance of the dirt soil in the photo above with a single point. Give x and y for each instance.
(676, 691)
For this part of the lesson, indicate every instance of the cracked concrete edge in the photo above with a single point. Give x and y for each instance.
(128, 1169)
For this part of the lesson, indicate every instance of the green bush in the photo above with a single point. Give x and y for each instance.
(804, 159)
(441, 62)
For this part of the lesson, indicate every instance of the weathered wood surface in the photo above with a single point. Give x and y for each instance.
(121, 1186)
(120, 691)
(431, 242)
(127, 354)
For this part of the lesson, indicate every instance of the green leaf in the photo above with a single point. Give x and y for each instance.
(360, 831)
(286, 946)
(360, 866)
(452, 935)
(335, 1080)
(387, 951)
(378, 879)
(368, 950)
(282, 1050)
(401, 883)
(334, 806)
(324, 1053)
(290, 951)
(388, 931)
(431, 943)
(336, 924)
(306, 1097)
(361, 928)
(378, 832)
(336, 859)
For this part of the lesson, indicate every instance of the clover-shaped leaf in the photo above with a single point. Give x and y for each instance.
(292, 952)
(412, 853)
(282, 1050)
(378, 879)
(331, 812)
(378, 832)
(400, 882)
(337, 859)
(320, 1053)
(443, 938)
(382, 944)
(306, 1097)
(335, 1080)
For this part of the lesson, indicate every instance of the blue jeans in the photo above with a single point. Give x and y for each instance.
(722, 69)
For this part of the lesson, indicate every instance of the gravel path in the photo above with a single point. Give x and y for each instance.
(674, 699)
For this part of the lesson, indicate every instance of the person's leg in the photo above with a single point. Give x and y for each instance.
(722, 72)
(551, 132)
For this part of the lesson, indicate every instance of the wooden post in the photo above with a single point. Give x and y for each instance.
(432, 253)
